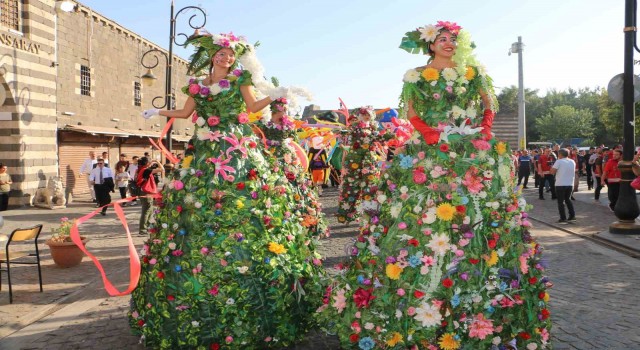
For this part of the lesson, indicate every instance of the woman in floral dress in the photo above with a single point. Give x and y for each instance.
(280, 136)
(447, 262)
(228, 264)
(360, 169)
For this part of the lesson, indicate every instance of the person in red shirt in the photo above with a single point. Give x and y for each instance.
(544, 170)
(611, 177)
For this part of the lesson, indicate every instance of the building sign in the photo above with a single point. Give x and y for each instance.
(19, 43)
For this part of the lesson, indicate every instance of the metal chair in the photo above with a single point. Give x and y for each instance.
(19, 257)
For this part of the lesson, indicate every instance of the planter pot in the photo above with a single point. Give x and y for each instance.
(66, 254)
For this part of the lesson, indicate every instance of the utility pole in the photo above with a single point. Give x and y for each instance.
(517, 47)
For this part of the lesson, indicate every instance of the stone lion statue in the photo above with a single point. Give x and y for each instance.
(51, 197)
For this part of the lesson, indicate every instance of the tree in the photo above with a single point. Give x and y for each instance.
(565, 122)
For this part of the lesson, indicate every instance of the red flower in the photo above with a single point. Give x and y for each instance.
(354, 338)
(474, 261)
(171, 298)
(265, 187)
(444, 147)
(533, 280)
(145, 259)
(362, 297)
(545, 314)
(290, 176)
(418, 294)
(252, 144)
(140, 323)
(461, 209)
(444, 324)
(372, 262)
(541, 295)
(524, 335)
(240, 186)
(252, 175)
(215, 346)
(160, 274)
(491, 243)
(447, 282)
(414, 242)
(179, 208)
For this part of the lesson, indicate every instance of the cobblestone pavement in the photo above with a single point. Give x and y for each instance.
(594, 302)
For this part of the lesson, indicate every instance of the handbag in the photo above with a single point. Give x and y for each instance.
(636, 183)
(149, 186)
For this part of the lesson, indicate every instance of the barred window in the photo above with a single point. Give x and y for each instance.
(173, 98)
(85, 80)
(10, 14)
(137, 97)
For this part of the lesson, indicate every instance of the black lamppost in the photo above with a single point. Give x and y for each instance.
(626, 209)
(149, 77)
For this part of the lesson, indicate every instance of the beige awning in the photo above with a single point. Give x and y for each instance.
(97, 130)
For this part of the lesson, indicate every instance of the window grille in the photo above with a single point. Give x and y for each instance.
(10, 14)
(85, 81)
(137, 97)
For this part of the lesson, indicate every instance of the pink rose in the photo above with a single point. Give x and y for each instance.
(419, 177)
(400, 291)
(243, 118)
(411, 311)
(194, 89)
(436, 96)
(402, 225)
(194, 117)
(213, 120)
(178, 185)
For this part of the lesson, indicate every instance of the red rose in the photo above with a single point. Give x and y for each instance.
(252, 144)
(444, 324)
(240, 186)
(140, 323)
(533, 280)
(524, 335)
(179, 209)
(145, 259)
(418, 294)
(160, 274)
(474, 261)
(372, 262)
(362, 297)
(447, 282)
(265, 187)
(545, 314)
(252, 175)
(491, 243)
(461, 209)
(385, 230)
(444, 147)
(414, 242)
(541, 295)
(215, 346)
(354, 338)
(171, 298)
(290, 176)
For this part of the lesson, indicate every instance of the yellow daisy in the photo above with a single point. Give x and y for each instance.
(186, 162)
(393, 271)
(445, 211)
(239, 204)
(276, 248)
(501, 148)
(430, 74)
(493, 259)
(448, 342)
(470, 74)
(395, 339)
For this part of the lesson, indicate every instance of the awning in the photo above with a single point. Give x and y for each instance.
(143, 133)
(96, 130)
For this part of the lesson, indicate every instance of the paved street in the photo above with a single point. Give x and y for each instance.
(594, 302)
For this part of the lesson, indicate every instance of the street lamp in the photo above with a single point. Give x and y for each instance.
(149, 78)
(517, 47)
(626, 209)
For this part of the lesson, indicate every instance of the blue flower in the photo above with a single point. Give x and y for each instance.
(366, 343)
(218, 212)
(178, 268)
(211, 233)
(494, 224)
(406, 162)
(414, 261)
(267, 260)
(464, 200)
(455, 301)
(490, 309)
(503, 286)
(376, 234)
(360, 279)
(182, 232)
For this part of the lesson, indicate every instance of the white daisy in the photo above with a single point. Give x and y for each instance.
(395, 210)
(428, 33)
(449, 74)
(457, 112)
(428, 314)
(200, 121)
(411, 76)
(439, 244)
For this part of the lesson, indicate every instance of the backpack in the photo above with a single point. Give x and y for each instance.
(147, 185)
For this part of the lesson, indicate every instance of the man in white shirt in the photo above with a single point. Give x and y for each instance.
(102, 180)
(564, 170)
(133, 172)
(85, 170)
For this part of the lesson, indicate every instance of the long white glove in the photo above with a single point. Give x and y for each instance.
(279, 92)
(150, 113)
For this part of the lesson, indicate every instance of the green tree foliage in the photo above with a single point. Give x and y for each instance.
(565, 122)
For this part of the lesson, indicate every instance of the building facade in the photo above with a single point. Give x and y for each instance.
(73, 84)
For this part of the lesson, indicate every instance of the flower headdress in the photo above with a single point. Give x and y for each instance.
(365, 111)
(420, 39)
(208, 44)
(279, 105)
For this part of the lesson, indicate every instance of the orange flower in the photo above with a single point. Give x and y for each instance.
(470, 74)
(354, 166)
(393, 271)
(430, 74)
(309, 221)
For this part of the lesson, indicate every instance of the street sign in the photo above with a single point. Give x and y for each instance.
(615, 88)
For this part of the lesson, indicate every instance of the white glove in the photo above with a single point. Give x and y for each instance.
(150, 113)
(279, 92)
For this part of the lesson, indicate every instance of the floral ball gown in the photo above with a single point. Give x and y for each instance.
(447, 261)
(229, 264)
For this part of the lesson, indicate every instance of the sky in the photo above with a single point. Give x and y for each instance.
(349, 48)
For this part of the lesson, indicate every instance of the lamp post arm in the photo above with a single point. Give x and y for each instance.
(191, 20)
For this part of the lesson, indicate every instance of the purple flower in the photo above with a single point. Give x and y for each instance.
(390, 260)
(199, 173)
(204, 91)
(237, 72)
(515, 284)
(254, 194)
(192, 80)
(224, 83)
(464, 276)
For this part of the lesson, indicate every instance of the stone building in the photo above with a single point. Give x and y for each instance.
(73, 84)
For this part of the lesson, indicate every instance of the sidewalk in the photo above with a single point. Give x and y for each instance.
(594, 218)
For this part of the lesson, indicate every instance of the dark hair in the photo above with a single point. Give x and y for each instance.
(1, 165)
(143, 161)
(563, 152)
(135, 157)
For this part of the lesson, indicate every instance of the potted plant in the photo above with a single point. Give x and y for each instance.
(64, 252)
